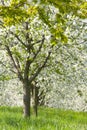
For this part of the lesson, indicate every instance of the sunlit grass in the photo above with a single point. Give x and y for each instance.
(48, 119)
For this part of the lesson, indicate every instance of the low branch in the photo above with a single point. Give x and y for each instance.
(40, 68)
(14, 63)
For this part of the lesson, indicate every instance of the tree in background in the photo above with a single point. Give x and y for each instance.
(29, 32)
(69, 84)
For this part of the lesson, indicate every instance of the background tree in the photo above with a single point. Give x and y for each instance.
(67, 87)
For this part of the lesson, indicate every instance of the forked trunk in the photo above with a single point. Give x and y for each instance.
(26, 100)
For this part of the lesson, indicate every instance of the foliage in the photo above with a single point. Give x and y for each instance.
(19, 11)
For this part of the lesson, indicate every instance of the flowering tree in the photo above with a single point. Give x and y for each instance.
(24, 36)
(67, 87)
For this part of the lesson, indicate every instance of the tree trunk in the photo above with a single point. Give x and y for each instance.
(35, 100)
(26, 99)
(34, 92)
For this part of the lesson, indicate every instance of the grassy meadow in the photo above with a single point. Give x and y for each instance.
(11, 118)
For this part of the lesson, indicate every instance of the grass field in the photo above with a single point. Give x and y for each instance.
(48, 119)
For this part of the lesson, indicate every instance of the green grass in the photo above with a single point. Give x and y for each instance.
(48, 119)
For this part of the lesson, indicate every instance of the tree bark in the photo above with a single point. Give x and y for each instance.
(35, 99)
(26, 99)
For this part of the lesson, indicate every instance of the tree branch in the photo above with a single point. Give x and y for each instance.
(29, 46)
(12, 59)
(26, 71)
(2, 1)
(18, 64)
(36, 42)
(18, 39)
(7, 67)
(40, 68)
(40, 47)
(2, 73)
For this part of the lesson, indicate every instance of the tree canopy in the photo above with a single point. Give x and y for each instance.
(52, 13)
(29, 31)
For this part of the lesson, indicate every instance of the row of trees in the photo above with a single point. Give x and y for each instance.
(29, 33)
